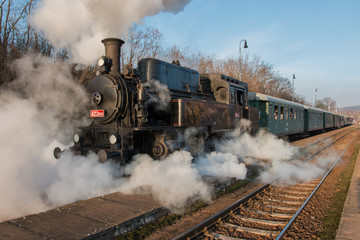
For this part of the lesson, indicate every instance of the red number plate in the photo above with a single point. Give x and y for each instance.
(97, 113)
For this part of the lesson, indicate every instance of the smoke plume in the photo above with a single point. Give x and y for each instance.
(158, 94)
(36, 110)
(278, 159)
(82, 24)
(172, 181)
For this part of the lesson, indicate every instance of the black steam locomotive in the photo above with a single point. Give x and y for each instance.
(145, 110)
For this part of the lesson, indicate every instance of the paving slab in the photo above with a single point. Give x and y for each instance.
(349, 227)
(102, 217)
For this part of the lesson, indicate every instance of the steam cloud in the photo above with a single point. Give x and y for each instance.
(82, 24)
(279, 160)
(36, 109)
(159, 94)
(172, 181)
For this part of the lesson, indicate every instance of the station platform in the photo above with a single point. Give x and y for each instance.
(349, 227)
(102, 217)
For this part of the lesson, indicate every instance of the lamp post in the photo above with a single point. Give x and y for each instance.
(293, 87)
(240, 58)
(315, 97)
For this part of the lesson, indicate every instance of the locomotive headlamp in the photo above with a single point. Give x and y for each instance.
(101, 61)
(113, 139)
(76, 138)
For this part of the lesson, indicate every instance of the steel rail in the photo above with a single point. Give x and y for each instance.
(321, 140)
(323, 148)
(282, 233)
(213, 219)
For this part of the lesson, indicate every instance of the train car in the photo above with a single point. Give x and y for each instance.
(337, 120)
(328, 118)
(349, 120)
(342, 121)
(314, 119)
(278, 116)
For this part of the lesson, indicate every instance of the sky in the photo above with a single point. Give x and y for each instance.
(317, 40)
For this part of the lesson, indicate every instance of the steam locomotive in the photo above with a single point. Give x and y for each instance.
(148, 109)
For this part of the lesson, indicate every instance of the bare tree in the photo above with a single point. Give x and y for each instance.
(326, 103)
(12, 15)
(17, 36)
(142, 42)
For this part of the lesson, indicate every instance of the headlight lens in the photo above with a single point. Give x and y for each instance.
(101, 62)
(76, 138)
(112, 139)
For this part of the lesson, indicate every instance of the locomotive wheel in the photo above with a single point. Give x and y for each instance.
(159, 150)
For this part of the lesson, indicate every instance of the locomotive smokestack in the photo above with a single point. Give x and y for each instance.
(112, 51)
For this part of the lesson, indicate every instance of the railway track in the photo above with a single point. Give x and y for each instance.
(266, 213)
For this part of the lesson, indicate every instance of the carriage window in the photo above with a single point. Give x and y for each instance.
(286, 113)
(281, 113)
(291, 114)
(271, 111)
(295, 113)
(276, 112)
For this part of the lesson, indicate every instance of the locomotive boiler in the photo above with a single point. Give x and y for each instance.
(148, 109)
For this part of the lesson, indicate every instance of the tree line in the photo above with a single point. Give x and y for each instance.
(18, 37)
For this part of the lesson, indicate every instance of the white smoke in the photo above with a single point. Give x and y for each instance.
(82, 24)
(79, 177)
(36, 109)
(172, 181)
(278, 159)
(221, 165)
(51, 90)
(158, 93)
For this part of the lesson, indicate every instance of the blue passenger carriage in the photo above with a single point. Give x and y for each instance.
(278, 116)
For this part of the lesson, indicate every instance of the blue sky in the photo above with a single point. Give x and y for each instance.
(317, 40)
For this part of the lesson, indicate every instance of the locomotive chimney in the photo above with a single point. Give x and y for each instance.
(112, 51)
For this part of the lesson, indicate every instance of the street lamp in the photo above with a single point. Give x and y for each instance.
(240, 58)
(293, 87)
(315, 97)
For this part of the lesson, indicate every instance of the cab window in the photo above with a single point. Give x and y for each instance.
(240, 98)
(232, 95)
